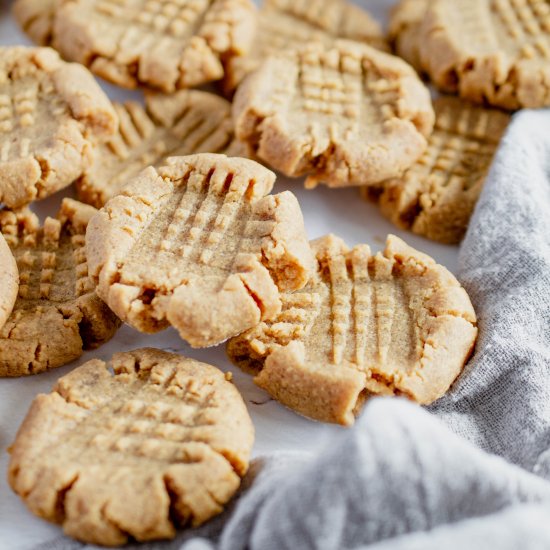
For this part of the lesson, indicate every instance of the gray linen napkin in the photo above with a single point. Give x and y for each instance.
(473, 470)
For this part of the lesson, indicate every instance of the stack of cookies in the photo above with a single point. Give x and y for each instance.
(178, 228)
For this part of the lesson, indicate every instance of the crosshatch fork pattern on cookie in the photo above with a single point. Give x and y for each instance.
(52, 263)
(174, 17)
(57, 313)
(437, 195)
(26, 101)
(525, 24)
(492, 52)
(364, 325)
(284, 25)
(358, 303)
(183, 123)
(202, 213)
(166, 45)
(167, 434)
(160, 421)
(344, 115)
(334, 84)
(220, 248)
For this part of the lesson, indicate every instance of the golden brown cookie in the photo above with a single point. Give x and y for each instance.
(50, 113)
(133, 448)
(199, 244)
(182, 123)
(404, 30)
(163, 44)
(437, 195)
(345, 114)
(395, 323)
(57, 312)
(35, 17)
(9, 281)
(494, 51)
(288, 24)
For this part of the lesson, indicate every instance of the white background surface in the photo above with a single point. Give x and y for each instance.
(341, 212)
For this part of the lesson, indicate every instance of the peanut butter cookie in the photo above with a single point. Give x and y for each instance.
(132, 448)
(57, 312)
(437, 195)
(35, 18)
(50, 112)
(199, 244)
(287, 24)
(493, 51)
(395, 323)
(404, 31)
(345, 114)
(163, 44)
(178, 124)
(9, 281)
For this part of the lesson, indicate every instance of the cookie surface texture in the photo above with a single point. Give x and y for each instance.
(50, 112)
(287, 24)
(395, 323)
(437, 195)
(9, 281)
(199, 244)
(493, 51)
(133, 448)
(342, 115)
(178, 124)
(57, 312)
(404, 30)
(160, 44)
(35, 17)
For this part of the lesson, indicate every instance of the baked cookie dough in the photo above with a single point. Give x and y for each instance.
(404, 30)
(437, 195)
(132, 448)
(199, 244)
(57, 312)
(50, 113)
(288, 24)
(9, 281)
(394, 323)
(182, 123)
(35, 17)
(345, 114)
(493, 51)
(163, 44)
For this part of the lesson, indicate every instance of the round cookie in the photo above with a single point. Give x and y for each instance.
(199, 244)
(493, 51)
(57, 312)
(50, 111)
(133, 448)
(9, 281)
(404, 30)
(343, 115)
(287, 24)
(394, 323)
(155, 43)
(437, 195)
(182, 123)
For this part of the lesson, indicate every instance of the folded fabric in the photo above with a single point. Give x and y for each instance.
(501, 401)
(399, 471)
